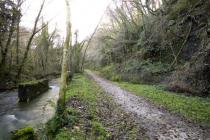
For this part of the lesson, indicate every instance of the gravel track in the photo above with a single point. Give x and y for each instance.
(159, 123)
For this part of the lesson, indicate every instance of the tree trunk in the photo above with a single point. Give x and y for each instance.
(6, 48)
(62, 95)
(17, 40)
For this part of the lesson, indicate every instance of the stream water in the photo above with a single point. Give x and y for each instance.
(15, 115)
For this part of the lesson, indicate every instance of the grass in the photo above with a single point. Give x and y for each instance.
(193, 108)
(82, 88)
(78, 119)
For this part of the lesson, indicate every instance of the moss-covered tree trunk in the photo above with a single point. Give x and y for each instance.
(61, 101)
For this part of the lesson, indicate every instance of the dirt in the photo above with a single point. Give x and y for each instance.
(158, 123)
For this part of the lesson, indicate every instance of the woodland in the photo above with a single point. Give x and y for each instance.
(142, 74)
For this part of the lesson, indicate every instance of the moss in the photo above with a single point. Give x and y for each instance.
(26, 133)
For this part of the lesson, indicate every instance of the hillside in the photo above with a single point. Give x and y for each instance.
(166, 45)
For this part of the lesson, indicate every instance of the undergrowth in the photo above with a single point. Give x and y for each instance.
(135, 71)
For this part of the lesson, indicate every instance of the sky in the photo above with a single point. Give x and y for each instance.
(85, 14)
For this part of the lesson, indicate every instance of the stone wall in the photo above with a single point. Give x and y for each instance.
(30, 90)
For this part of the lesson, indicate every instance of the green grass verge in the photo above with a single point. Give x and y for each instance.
(193, 108)
(82, 92)
(82, 88)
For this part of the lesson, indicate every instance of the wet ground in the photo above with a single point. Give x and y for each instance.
(14, 115)
(159, 123)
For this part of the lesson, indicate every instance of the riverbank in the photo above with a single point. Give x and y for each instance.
(14, 115)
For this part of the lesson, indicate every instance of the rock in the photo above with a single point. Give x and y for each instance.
(30, 90)
(26, 133)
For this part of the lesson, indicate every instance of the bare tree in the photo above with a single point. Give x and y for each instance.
(91, 37)
(28, 46)
(19, 4)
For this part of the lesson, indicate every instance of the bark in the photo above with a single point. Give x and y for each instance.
(19, 4)
(17, 40)
(61, 101)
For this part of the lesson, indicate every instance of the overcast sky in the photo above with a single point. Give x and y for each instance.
(85, 14)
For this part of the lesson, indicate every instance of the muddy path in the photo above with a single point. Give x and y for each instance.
(159, 124)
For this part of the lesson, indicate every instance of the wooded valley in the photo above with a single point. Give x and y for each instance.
(143, 72)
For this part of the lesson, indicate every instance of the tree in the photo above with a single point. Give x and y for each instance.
(44, 48)
(90, 39)
(68, 40)
(19, 4)
(28, 46)
(8, 17)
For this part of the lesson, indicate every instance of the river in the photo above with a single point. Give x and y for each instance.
(15, 115)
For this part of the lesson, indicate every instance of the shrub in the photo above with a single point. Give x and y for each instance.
(109, 72)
